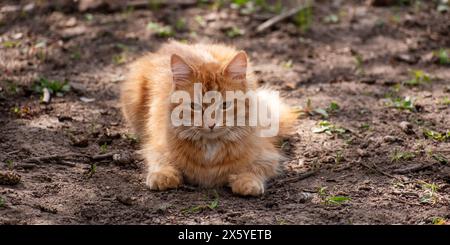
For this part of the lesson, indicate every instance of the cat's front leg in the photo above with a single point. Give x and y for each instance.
(161, 175)
(251, 179)
(247, 184)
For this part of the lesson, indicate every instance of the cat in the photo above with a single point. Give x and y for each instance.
(206, 155)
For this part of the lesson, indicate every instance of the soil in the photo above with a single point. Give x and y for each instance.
(360, 63)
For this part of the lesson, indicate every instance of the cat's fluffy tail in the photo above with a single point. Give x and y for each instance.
(287, 115)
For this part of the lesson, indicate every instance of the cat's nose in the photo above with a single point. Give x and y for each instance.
(211, 125)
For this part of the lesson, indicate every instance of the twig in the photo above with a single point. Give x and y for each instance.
(54, 157)
(294, 178)
(66, 163)
(377, 169)
(85, 5)
(277, 18)
(103, 156)
(62, 158)
(13, 152)
(415, 168)
(145, 3)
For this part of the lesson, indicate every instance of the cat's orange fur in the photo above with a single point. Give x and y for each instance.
(235, 156)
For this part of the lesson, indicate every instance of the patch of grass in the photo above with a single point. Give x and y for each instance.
(21, 111)
(281, 221)
(418, 77)
(339, 157)
(322, 191)
(75, 55)
(303, 19)
(104, 148)
(53, 86)
(287, 64)
(199, 208)
(308, 109)
(251, 6)
(331, 19)
(329, 128)
(122, 47)
(181, 24)
(337, 200)
(440, 158)
(359, 63)
(128, 11)
(240, 3)
(406, 103)
(9, 163)
(13, 88)
(2, 202)
(402, 155)
(445, 101)
(331, 199)
(154, 5)
(364, 126)
(119, 58)
(437, 136)
(443, 56)
(334, 106)
(160, 30)
(92, 170)
(10, 44)
(132, 138)
(430, 192)
(41, 55)
(234, 32)
(438, 221)
(89, 17)
(200, 20)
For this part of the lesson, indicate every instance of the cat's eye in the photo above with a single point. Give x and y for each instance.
(196, 107)
(226, 105)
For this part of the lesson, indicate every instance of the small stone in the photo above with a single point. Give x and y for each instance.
(9, 178)
(362, 152)
(391, 139)
(406, 127)
(429, 58)
(80, 142)
(368, 80)
(123, 159)
(128, 201)
(389, 82)
(87, 100)
(71, 22)
(47, 209)
(63, 118)
(305, 197)
(29, 7)
(406, 58)
(447, 89)
(17, 36)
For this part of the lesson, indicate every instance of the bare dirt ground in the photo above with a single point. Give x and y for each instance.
(374, 163)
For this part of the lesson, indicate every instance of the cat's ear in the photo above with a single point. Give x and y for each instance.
(181, 71)
(237, 67)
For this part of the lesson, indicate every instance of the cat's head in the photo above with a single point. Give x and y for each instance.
(213, 82)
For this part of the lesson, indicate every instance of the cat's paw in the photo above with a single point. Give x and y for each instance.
(246, 185)
(163, 179)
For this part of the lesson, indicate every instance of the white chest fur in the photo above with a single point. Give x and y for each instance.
(210, 150)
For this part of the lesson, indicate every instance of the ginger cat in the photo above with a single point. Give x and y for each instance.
(208, 155)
